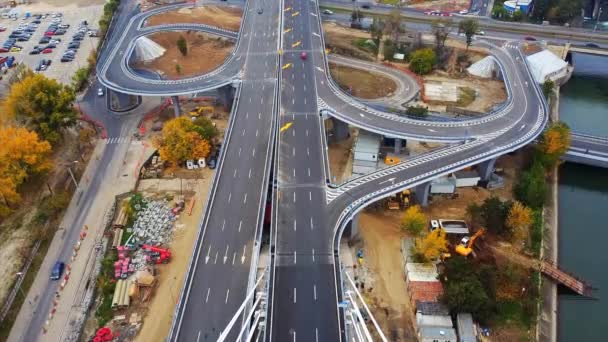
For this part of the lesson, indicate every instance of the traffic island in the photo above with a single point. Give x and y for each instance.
(176, 55)
(361, 83)
(226, 17)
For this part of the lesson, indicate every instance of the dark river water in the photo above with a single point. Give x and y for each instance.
(583, 205)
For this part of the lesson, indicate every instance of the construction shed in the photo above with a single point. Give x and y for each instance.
(466, 328)
(443, 185)
(545, 65)
(465, 178)
(435, 334)
(366, 152)
(433, 320)
(424, 291)
(420, 272)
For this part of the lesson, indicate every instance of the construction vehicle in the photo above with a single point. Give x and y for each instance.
(201, 110)
(391, 160)
(400, 200)
(466, 244)
(155, 255)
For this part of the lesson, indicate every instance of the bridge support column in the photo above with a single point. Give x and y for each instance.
(341, 131)
(176, 107)
(486, 169)
(354, 227)
(398, 145)
(421, 193)
(226, 96)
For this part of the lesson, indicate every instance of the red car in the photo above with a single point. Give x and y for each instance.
(49, 33)
(303, 56)
(2, 28)
(47, 50)
(4, 50)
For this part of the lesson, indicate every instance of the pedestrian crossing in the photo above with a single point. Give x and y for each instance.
(118, 140)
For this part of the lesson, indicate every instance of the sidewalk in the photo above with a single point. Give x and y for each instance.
(88, 206)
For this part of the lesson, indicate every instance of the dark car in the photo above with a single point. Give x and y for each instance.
(530, 38)
(592, 45)
(366, 6)
(51, 46)
(212, 163)
(65, 59)
(23, 39)
(44, 40)
(57, 270)
(77, 38)
(35, 51)
(74, 45)
(60, 32)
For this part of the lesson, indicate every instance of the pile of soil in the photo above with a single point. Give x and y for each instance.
(205, 53)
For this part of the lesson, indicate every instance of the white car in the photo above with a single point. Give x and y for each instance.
(328, 12)
(464, 12)
(100, 92)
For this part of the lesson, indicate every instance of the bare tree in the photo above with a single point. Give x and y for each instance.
(441, 30)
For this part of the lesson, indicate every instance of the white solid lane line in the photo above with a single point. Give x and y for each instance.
(227, 294)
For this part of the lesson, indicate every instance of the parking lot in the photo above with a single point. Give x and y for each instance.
(72, 15)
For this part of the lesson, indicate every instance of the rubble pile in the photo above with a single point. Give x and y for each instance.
(153, 224)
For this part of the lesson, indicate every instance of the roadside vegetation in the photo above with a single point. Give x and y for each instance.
(182, 139)
(37, 120)
(554, 11)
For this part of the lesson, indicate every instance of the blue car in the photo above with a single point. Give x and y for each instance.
(57, 270)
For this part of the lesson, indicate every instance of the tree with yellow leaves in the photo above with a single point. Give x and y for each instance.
(519, 220)
(414, 220)
(22, 154)
(555, 141)
(431, 246)
(180, 140)
(41, 104)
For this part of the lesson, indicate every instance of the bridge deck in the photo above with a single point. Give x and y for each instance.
(579, 286)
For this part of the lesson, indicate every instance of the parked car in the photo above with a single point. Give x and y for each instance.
(49, 33)
(50, 46)
(60, 32)
(23, 39)
(73, 45)
(3, 49)
(44, 40)
(57, 270)
(36, 50)
(63, 26)
(65, 59)
(15, 49)
(47, 50)
(77, 38)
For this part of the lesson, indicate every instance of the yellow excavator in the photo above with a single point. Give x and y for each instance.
(201, 110)
(466, 244)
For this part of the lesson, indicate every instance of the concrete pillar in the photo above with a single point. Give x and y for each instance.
(353, 230)
(486, 169)
(397, 146)
(421, 193)
(176, 107)
(341, 131)
(226, 96)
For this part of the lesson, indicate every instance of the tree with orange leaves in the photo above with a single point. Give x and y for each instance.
(431, 246)
(22, 154)
(519, 220)
(555, 141)
(181, 140)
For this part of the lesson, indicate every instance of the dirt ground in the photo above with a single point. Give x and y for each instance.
(340, 40)
(489, 92)
(340, 157)
(55, 5)
(157, 322)
(441, 5)
(205, 53)
(381, 244)
(228, 18)
(360, 83)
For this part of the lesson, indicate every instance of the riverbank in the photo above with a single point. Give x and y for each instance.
(547, 324)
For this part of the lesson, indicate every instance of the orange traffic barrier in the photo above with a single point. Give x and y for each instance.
(190, 206)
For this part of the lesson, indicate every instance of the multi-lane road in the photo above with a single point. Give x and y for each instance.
(276, 88)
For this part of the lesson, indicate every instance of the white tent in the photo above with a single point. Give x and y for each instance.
(485, 67)
(547, 66)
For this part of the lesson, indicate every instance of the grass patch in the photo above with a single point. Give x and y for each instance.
(390, 2)
(509, 312)
(361, 83)
(106, 284)
(466, 96)
(366, 44)
(536, 232)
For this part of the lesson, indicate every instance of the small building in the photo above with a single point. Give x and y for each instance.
(465, 178)
(433, 320)
(420, 272)
(431, 308)
(545, 65)
(525, 6)
(436, 334)
(443, 185)
(466, 328)
(424, 291)
(366, 151)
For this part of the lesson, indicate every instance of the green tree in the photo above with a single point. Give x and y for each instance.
(205, 128)
(531, 189)
(388, 49)
(41, 104)
(417, 111)
(517, 15)
(414, 221)
(548, 87)
(441, 30)
(494, 213)
(394, 25)
(469, 27)
(422, 61)
(178, 69)
(182, 46)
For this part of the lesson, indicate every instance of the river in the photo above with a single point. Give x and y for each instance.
(583, 205)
